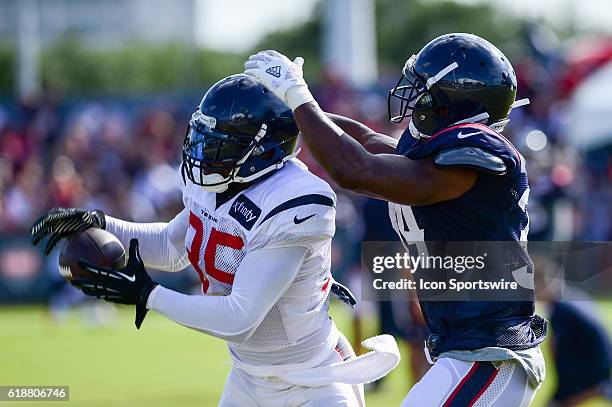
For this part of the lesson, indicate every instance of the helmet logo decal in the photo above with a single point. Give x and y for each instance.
(199, 118)
(274, 71)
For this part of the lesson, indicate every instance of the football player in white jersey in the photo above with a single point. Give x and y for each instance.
(257, 228)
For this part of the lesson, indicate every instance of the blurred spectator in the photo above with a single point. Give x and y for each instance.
(122, 154)
(581, 347)
(100, 156)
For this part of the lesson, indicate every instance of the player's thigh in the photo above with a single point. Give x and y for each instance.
(238, 391)
(509, 388)
(454, 383)
(436, 385)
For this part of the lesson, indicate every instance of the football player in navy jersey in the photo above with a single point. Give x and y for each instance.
(451, 177)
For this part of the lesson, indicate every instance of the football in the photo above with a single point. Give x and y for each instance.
(96, 245)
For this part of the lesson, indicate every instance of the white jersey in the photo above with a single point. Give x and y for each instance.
(263, 258)
(292, 207)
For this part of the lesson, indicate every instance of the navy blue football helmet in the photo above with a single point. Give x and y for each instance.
(455, 78)
(240, 132)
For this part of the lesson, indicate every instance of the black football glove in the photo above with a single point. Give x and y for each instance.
(130, 285)
(59, 223)
(342, 293)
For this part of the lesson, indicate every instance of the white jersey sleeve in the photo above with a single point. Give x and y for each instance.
(262, 278)
(162, 245)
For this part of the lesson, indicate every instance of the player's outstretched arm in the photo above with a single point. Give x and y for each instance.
(386, 176)
(390, 177)
(373, 142)
(261, 279)
(162, 245)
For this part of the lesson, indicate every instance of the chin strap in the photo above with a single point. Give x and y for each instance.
(520, 103)
(414, 132)
(479, 118)
(260, 134)
(500, 125)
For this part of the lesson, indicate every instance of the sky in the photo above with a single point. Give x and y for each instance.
(237, 25)
(587, 14)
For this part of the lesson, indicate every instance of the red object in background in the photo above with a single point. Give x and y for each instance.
(19, 263)
(14, 147)
(584, 59)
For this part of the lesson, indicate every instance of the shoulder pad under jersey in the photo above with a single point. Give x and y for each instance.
(467, 135)
(473, 157)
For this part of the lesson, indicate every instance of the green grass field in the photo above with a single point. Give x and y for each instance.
(163, 364)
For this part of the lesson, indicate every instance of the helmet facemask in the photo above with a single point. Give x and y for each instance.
(212, 159)
(414, 95)
(409, 94)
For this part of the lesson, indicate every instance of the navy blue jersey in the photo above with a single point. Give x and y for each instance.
(494, 209)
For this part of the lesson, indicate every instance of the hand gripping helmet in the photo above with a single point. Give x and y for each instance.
(455, 78)
(240, 132)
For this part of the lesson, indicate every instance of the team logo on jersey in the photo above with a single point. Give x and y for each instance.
(245, 212)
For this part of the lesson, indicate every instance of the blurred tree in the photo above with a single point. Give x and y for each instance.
(404, 27)
(7, 69)
(72, 68)
(303, 40)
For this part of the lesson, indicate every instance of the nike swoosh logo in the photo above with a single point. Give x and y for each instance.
(131, 279)
(466, 135)
(298, 221)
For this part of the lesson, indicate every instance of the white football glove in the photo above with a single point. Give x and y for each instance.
(281, 75)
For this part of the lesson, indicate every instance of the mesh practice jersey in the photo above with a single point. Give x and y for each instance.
(494, 209)
(292, 208)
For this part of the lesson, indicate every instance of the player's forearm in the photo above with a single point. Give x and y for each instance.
(341, 156)
(360, 132)
(158, 247)
(390, 177)
(262, 278)
(219, 316)
(372, 141)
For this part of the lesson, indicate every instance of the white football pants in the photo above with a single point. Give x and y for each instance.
(454, 383)
(245, 390)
